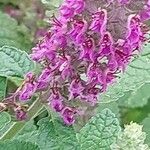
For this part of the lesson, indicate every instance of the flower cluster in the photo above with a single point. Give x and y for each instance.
(91, 38)
(131, 138)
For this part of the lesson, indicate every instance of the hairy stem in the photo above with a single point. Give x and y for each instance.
(18, 126)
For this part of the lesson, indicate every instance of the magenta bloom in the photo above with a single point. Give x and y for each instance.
(99, 21)
(106, 45)
(75, 88)
(44, 79)
(91, 38)
(134, 29)
(56, 102)
(20, 114)
(87, 49)
(68, 115)
(27, 91)
(124, 1)
(78, 29)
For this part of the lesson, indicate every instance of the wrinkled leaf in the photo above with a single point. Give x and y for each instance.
(13, 34)
(15, 62)
(100, 132)
(18, 145)
(52, 136)
(113, 106)
(137, 98)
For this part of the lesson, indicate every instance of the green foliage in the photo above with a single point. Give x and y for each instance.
(13, 34)
(3, 84)
(137, 74)
(132, 138)
(28, 128)
(146, 128)
(15, 62)
(18, 145)
(52, 135)
(113, 106)
(100, 132)
(137, 98)
(4, 119)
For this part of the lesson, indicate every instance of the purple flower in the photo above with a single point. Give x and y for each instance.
(95, 38)
(71, 7)
(56, 102)
(75, 88)
(90, 95)
(44, 50)
(68, 115)
(38, 52)
(99, 21)
(87, 49)
(59, 40)
(29, 76)
(79, 27)
(27, 91)
(20, 114)
(145, 14)
(124, 1)
(134, 29)
(100, 75)
(44, 79)
(79, 6)
(65, 68)
(106, 44)
(66, 11)
(112, 63)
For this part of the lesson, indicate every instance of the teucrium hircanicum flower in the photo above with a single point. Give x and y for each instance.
(132, 138)
(96, 38)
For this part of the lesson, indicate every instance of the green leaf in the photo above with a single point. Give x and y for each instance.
(137, 74)
(113, 106)
(100, 132)
(137, 98)
(4, 119)
(146, 128)
(3, 84)
(14, 62)
(52, 136)
(18, 145)
(13, 34)
(29, 127)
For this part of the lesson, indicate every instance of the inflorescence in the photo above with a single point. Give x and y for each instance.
(88, 44)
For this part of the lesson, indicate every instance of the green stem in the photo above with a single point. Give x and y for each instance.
(17, 126)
